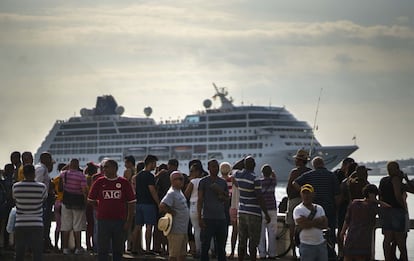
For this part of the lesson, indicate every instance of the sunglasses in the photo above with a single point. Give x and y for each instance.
(180, 178)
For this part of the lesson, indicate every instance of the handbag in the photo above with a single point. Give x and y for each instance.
(73, 200)
(298, 229)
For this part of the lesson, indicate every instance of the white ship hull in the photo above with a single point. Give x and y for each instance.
(270, 134)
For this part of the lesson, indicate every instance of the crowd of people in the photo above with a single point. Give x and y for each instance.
(331, 215)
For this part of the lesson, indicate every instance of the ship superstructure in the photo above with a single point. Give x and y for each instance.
(270, 134)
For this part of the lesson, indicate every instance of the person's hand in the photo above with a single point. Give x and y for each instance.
(341, 236)
(267, 217)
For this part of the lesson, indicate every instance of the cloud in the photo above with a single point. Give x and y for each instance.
(146, 53)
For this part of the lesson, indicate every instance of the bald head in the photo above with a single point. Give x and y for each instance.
(318, 163)
(177, 180)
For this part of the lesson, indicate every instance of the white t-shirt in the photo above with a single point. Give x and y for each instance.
(194, 192)
(310, 236)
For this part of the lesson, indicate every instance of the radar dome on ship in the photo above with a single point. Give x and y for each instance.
(119, 110)
(86, 112)
(207, 103)
(147, 111)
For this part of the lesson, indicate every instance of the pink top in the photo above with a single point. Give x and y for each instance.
(74, 181)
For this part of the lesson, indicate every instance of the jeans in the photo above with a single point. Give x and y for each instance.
(313, 252)
(95, 231)
(111, 230)
(214, 228)
(28, 237)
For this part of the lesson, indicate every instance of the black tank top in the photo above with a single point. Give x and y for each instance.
(387, 192)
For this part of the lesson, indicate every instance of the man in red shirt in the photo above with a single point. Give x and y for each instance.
(115, 201)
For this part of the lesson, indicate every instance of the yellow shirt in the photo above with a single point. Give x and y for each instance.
(20, 175)
(59, 194)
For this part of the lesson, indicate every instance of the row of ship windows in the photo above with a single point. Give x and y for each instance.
(90, 134)
(223, 118)
(239, 156)
(295, 137)
(154, 141)
(120, 150)
(211, 146)
(298, 144)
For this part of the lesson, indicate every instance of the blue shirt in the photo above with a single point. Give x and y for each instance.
(213, 206)
(250, 188)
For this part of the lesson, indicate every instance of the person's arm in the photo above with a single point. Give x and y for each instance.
(233, 180)
(295, 185)
(130, 215)
(128, 174)
(260, 199)
(189, 190)
(396, 185)
(200, 206)
(92, 200)
(320, 222)
(164, 208)
(292, 176)
(303, 222)
(409, 186)
(343, 232)
(154, 194)
(131, 201)
(273, 176)
(262, 205)
(134, 183)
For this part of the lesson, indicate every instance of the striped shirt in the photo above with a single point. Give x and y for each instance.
(250, 187)
(229, 185)
(326, 187)
(268, 190)
(73, 181)
(29, 197)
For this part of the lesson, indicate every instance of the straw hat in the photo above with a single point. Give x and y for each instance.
(302, 154)
(165, 224)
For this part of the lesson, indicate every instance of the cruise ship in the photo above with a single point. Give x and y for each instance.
(270, 134)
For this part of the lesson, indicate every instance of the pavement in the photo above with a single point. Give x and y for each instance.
(9, 256)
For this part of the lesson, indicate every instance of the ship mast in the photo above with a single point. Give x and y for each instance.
(226, 104)
(315, 126)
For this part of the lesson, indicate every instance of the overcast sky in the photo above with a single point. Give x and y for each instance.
(56, 57)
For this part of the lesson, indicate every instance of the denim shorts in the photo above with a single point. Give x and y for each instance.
(146, 214)
(313, 252)
(394, 219)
